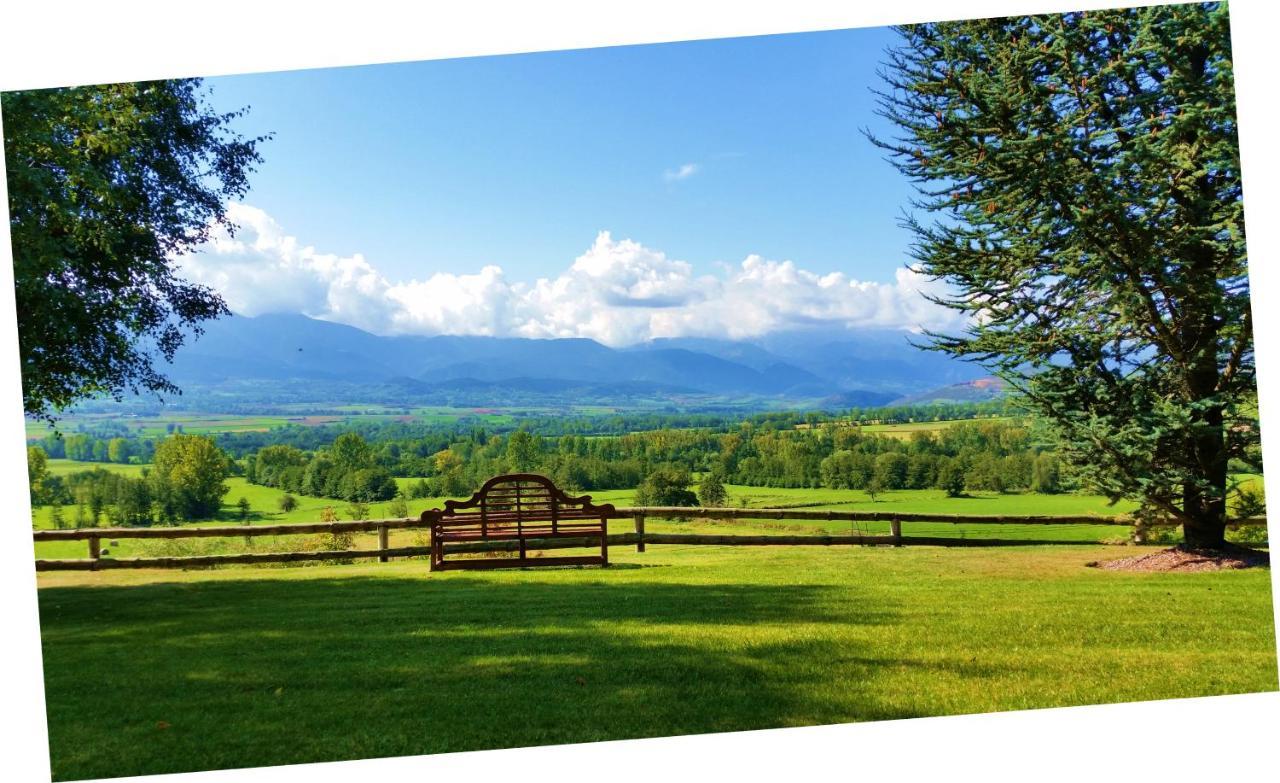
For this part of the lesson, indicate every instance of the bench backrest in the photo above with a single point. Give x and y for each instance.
(516, 502)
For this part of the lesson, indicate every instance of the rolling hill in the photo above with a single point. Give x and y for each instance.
(979, 390)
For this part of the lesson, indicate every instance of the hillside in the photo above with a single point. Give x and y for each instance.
(979, 390)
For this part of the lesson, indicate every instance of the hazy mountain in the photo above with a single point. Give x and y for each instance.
(869, 367)
(867, 359)
(878, 359)
(978, 390)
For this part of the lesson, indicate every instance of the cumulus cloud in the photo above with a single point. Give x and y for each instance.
(618, 292)
(684, 172)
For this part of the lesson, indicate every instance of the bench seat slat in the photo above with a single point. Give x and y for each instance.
(525, 532)
(527, 535)
(507, 516)
(527, 523)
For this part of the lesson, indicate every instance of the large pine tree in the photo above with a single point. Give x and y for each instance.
(1079, 181)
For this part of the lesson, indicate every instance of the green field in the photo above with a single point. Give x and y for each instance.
(265, 509)
(163, 671)
(904, 430)
(61, 467)
(197, 423)
(156, 426)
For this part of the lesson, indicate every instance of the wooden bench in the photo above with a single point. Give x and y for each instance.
(522, 507)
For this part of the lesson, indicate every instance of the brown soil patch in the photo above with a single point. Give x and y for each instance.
(1179, 559)
(312, 421)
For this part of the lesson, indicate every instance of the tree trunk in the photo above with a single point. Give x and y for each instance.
(1205, 502)
(1205, 505)
(1206, 516)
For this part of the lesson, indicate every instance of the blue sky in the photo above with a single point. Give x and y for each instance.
(706, 152)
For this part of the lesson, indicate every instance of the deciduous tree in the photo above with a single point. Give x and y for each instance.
(188, 476)
(107, 186)
(37, 471)
(666, 487)
(711, 490)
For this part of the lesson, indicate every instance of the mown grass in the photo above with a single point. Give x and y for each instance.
(150, 672)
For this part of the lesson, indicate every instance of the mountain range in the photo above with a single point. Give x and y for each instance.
(869, 367)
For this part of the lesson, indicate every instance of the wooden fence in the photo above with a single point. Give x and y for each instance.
(639, 538)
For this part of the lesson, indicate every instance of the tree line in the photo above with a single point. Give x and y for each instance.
(992, 455)
(185, 482)
(82, 447)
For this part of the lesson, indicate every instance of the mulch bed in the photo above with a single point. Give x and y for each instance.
(1179, 559)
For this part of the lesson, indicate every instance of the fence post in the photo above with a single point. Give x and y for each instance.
(382, 543)
(895, 529)
(639, 532)
(95, 551)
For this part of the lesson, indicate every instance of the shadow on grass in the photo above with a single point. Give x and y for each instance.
(206, 675)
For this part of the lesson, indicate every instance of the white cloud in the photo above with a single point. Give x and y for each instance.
(684, 172)
(618, 292)
(262, 269)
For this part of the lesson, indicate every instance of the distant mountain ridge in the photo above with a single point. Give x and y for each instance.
(871, 367)
(979, 390)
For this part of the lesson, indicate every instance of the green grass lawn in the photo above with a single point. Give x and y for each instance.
(164, 671)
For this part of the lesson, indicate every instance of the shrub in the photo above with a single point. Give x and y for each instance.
(1046, 475)
(337, 542)
(420, 489)
(666, 487)
(1250, 502)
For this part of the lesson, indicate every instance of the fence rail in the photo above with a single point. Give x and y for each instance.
(640, 538)
(221, 531)
(882, 516)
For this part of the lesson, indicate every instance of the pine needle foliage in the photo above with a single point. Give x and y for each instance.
(1079, 191)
